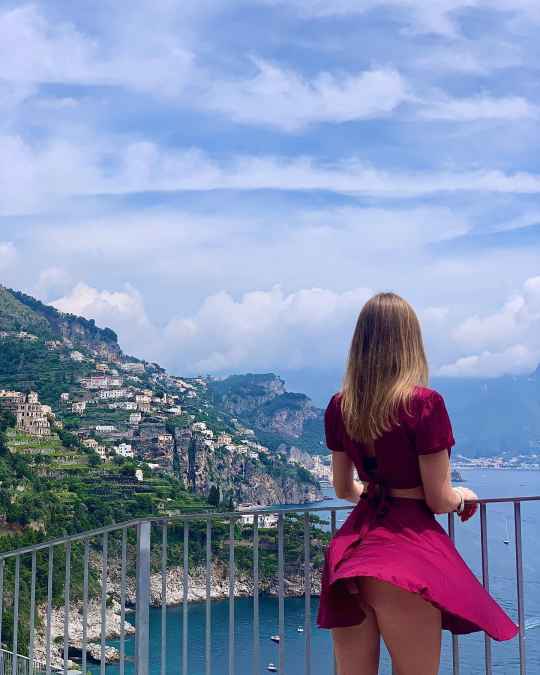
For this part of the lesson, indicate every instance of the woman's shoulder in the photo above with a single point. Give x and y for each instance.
(334, 405)
(421, 401)
(425, 394)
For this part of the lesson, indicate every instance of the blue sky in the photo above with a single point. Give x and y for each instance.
(225, 183)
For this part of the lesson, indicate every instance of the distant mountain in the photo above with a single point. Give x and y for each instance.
(493, 416)
(21, 312)
(489, 415)
(80, 371)
(282, 419)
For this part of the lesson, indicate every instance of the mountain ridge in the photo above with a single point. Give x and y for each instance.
(118, 403)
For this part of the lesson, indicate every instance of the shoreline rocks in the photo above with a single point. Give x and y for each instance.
(196, 592)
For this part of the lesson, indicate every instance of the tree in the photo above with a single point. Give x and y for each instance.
(213, 496)
(94, 459)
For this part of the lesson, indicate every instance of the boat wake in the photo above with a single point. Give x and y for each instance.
(532, 623)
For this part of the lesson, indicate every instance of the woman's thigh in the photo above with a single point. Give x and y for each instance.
(357, 648)
(410, 627)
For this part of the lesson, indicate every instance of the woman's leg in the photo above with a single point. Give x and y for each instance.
(357, 647)
(410, 627)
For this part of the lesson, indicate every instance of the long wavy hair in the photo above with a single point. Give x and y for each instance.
(386, 361)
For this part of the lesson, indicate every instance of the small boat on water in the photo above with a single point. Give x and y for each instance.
(275, 638)
(300, 629)
(272, 668)
(507, 538)
(457, 477)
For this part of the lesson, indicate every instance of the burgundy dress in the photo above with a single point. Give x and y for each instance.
(398, 539)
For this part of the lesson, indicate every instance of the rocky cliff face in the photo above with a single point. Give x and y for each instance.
(244, 395)
(281, 418)
(239, 476)
(286, 414)
(19, 311)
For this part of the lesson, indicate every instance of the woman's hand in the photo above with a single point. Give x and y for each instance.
(471, 505)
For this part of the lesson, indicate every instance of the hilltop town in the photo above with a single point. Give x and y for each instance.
(87, 411)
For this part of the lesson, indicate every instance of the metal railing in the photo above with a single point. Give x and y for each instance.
(24, 666)
(121, 556)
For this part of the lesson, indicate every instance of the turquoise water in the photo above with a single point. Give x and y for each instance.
(502, 579)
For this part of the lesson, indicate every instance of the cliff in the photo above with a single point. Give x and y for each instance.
(19, 311)
(282, 419)
(181, 429)
(248, 476)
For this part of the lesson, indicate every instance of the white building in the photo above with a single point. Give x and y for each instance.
(31, 416)
(76, 356)
(135, 418)
(78, 407)
(105, 428)
(64, 396)
(133, 367)
(175, 410)
(108, 394)
(264, 519)
(101, 382)
(124, 450)
(102, 452)
(139, 475)
(90, 443)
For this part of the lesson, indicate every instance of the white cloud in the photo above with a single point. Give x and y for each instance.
(123, 311)
(8, 254)
(507, 341)
(437, 16)
(472, 56)
(308, 328)
(525, 219)
(96, 304)
(507, 325)
(37, 177)
(52, 280)
(517, 360)
(435, 315)
(260, 330)
(479, 108)
(58, 52)
(264, 329)
(282, 98)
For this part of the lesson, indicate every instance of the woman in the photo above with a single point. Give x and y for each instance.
(391, 570)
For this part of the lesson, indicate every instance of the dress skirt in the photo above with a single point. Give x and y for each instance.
(405, 546)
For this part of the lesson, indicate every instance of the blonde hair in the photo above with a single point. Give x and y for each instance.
(386, 361)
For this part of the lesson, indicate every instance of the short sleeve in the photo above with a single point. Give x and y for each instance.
(433, 429)
(333, 425)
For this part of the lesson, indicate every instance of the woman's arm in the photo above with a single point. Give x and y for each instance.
(441, 497)
(343, 478)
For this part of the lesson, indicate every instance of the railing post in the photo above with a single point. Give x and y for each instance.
(143, 598)
(485, 581)
(520, 593)
(455, 638)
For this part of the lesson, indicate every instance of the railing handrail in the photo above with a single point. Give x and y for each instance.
(35, 662)
(211, 515)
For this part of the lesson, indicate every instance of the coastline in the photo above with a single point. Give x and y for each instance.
(196, 592)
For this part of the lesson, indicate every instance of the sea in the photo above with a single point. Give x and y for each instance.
(487, 483)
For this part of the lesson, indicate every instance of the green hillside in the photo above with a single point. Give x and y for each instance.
(16, 316)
